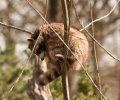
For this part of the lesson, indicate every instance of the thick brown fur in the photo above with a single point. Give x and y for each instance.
(50, 48)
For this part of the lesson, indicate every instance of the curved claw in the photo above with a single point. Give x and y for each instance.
(30, 40)
(60, 56)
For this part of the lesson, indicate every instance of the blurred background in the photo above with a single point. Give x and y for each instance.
(14, 46)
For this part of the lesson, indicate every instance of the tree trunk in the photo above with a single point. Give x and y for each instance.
(55, 11)
(34, 90)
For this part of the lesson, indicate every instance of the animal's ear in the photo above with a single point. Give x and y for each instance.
(30, 40)
(36, 34)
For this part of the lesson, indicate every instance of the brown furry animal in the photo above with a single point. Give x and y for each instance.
(50, 47)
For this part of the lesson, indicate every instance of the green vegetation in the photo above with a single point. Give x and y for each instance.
(86, 91)
(10, 69)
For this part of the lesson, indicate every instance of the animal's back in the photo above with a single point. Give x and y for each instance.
(78, 43)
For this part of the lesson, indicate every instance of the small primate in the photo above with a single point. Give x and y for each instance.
(49, 47)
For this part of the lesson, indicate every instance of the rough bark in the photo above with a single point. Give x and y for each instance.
(34, 90)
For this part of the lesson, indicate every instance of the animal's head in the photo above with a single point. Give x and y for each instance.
(36, 44)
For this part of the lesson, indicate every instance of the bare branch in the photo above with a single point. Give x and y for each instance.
(102, 47)
(14, 27)
(95, 56)
(23, 66)
(15, 82)
(102, 95)
(46, 10)
(114, 57)
(66, 13)
(102, 16)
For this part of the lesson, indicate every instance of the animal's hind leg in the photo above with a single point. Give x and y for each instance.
(53, 72)
(49, 76)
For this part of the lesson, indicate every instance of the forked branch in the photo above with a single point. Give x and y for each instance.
(105, 16)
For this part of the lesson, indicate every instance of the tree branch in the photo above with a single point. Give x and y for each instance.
(34, 90)
(96, 20)
(66, 13)
(14, 27)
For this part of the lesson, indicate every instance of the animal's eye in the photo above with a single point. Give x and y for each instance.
(30, 40)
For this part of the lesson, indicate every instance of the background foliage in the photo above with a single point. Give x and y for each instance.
(14, 43)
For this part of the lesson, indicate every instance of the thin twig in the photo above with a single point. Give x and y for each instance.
(68, 49)
(14, 27)
(96, 40)
(81, 25)
(46, 10)
(23, 67)
(20, 75)
(101, 17)
(26, 64)
(95, 83)
(95, 55)
(66, 13)
(114, 57)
